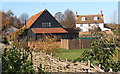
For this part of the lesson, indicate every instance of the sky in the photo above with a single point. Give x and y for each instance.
(83, 8)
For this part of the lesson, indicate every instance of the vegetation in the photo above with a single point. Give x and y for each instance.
(24, 18)
(9, 19)
(102, 53)
(46, 44)
(69, 54)
(16, 60)
(67, 19)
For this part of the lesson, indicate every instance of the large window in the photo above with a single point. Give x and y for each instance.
(46, 24)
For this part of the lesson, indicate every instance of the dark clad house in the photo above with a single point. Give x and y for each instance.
(44, 23)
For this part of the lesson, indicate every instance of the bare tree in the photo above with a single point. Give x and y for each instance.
(59, 17)
(23, 18)
(67, 19)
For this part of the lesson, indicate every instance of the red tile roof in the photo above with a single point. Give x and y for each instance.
(29, 22)
(32, 19)
(49, 30)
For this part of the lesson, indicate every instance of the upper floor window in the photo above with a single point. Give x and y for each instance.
(84, 18)
(96, 18)
(46, 24)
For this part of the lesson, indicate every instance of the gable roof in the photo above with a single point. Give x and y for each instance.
(49, 30)
(33, 19)
(89, 19)
(29, 22)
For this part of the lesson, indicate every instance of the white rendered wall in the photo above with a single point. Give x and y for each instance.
(86, 27)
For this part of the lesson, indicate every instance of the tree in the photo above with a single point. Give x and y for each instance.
(23, 18)
(59, 17)
(67, 19)
(9, 19)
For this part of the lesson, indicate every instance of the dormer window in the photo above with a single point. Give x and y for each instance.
(96, 18)
(84, 18)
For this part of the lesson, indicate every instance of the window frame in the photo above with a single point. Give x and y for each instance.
(84, 18)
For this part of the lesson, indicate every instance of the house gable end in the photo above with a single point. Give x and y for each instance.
(46, 20)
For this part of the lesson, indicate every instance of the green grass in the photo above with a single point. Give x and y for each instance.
(73, 54)
(69, 54)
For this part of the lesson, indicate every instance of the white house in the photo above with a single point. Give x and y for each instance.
(86, 22)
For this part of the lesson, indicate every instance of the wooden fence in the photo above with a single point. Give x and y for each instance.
(75, 43)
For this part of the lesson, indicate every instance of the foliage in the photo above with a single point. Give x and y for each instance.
(102, 52)
(46, 44)
(5, 40)
(67, 19)
(9, 19)
(20, 43)
(14, 60)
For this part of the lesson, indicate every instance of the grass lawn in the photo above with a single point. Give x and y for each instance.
(73, 54)
(69, 54)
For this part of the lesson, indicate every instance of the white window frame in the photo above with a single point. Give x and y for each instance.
(96, 18)
(83, 18)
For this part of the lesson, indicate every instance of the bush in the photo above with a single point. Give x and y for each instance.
(102, 53)
(13, 60)
(46, 44)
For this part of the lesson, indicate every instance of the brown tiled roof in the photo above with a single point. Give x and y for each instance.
(49, 30)
(89, 19)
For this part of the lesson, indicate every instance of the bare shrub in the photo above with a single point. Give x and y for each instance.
(46, 44)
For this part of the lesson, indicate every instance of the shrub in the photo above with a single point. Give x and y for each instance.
(102, 53)
(13, 60)
(46, 44)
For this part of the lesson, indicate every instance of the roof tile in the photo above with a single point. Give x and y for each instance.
(49, 30)
(89, 19)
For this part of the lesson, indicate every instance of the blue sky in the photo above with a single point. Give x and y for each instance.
(83, 8)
